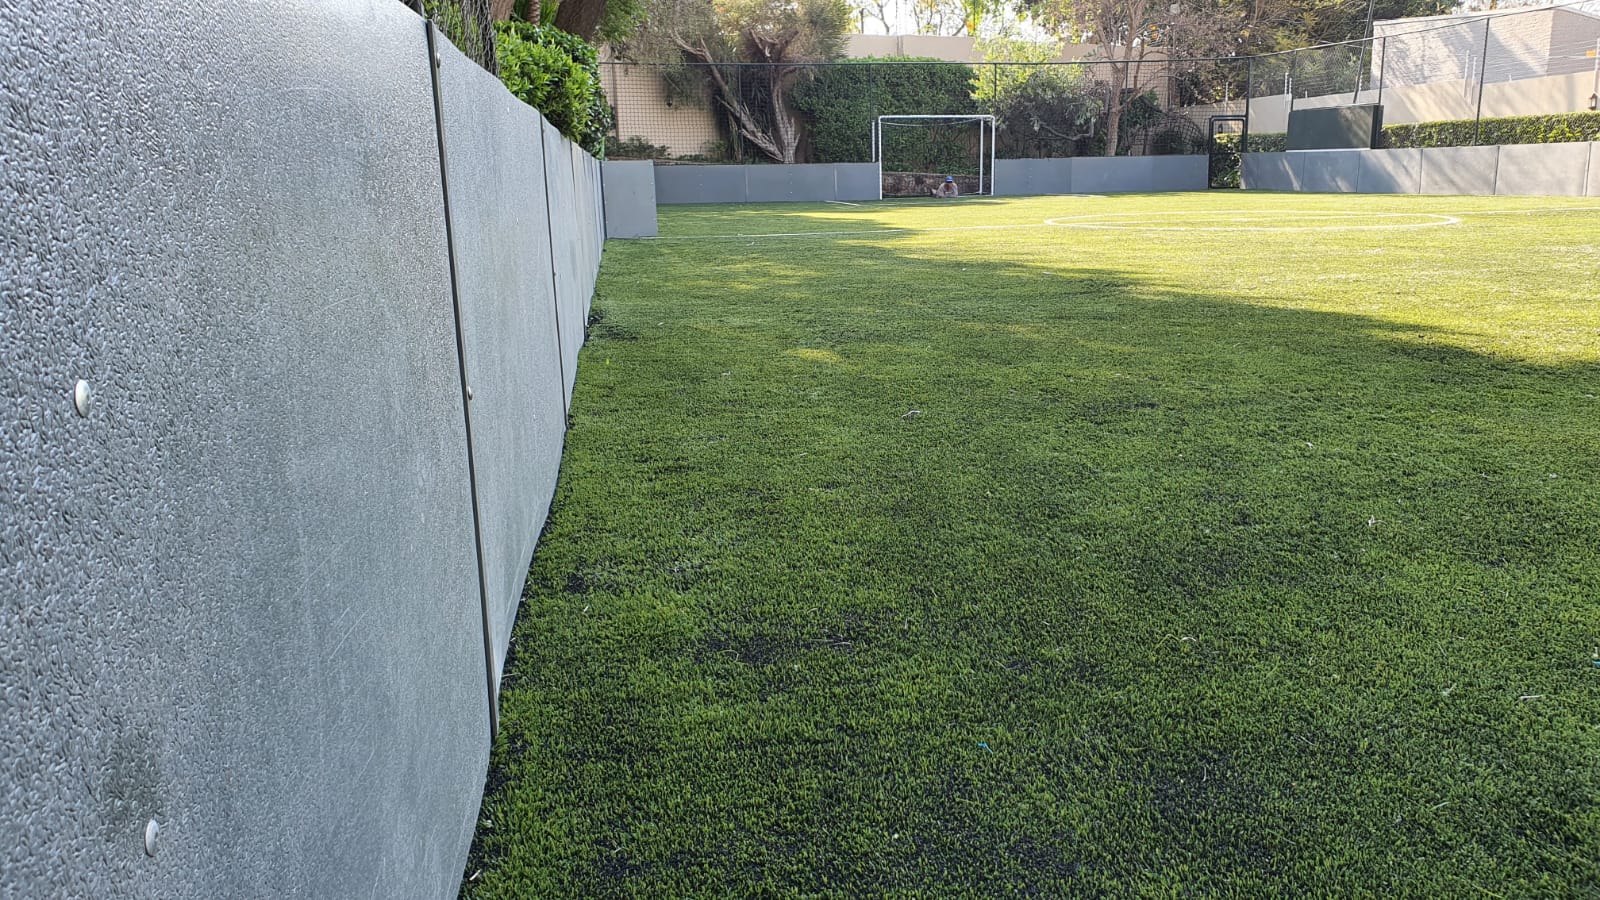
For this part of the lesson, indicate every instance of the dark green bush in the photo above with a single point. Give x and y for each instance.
(841, 101)
(557, 74)
(1550, 129)
(636, 148)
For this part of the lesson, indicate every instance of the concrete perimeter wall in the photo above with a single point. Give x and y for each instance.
(1554, 170)
(806, 183)
(630, 199)
(1100, 175)
(257, 589)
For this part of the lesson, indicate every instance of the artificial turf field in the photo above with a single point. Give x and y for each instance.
(1237, 545)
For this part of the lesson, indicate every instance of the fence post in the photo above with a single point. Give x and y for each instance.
(1483, 69)
(1249, 89)
(1289, 80)
(1383, 65)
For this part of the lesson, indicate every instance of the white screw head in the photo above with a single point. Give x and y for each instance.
(469, 392)
(81, 396)
(152, 830)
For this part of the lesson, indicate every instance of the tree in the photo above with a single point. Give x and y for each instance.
(1126, 31)
(715, 36)
(1039, 108)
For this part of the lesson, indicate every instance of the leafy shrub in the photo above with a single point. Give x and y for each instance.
(559, 75)
(1550, 129)
(636, 148)
(840, 101)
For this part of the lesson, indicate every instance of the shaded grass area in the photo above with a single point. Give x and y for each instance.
(1043, 561)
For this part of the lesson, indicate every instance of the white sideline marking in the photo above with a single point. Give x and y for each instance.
(1101, 225)
(1100, 221)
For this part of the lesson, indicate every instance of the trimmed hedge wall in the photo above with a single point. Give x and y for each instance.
(841, 100)
(1551, 129)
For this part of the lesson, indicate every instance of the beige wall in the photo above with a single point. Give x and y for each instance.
(640, 100)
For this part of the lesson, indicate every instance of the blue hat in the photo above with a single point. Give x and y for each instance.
(949, 178)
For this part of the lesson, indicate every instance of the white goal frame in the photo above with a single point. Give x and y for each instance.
(982, 120)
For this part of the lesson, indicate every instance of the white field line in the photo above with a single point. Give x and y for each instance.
(1106, 221)
(1070, 222)
(842, 202)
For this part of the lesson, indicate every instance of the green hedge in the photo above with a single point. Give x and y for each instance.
(1551, 129)
(559, 75)
(840, 101)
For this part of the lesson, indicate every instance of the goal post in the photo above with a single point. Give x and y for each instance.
(987, 139)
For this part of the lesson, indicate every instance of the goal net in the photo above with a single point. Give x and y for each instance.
(915, 154)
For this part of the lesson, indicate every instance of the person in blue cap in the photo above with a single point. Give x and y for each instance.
(947, 190)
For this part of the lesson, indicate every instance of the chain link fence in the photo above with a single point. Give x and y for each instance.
(469, 24)
(1452, 69)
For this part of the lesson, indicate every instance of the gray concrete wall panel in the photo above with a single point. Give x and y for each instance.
(1267, 172)
(1328, 171)
(856, 181)
(1031, 177)
(1549, 170)
(1390, 172)
(566, 255)
(1143, 174)
(1594, 170)
(239, 596)
(1459, 170)
(799, 184)
(630, 199)
(495, 175)
(701, 184)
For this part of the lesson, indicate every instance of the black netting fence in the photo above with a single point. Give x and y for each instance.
(825, 113)
(469, 24)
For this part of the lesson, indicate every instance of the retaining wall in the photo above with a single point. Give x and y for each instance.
(1100, 175)
(630, 199)
(1555, 170)
(258, 589)
(805, 183)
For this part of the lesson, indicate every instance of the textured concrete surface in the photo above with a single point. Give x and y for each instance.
(1459, 170)
(801, 183)
(239, 597)
(1268, 172)
(700, 184)
(630, 199)
(1327, 171)
(1031, 177)
(808, 183)
(1551, 170)
(1143, 174)
(1594, 170)
(855, 181)
(566, 252)
(1340, 127)
(495, 174)
(1390, 172)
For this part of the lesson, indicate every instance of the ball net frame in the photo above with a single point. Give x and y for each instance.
(983, 121)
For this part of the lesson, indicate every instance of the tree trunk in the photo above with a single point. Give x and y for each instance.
(788, 132)
(580, 17)
(1114, 108)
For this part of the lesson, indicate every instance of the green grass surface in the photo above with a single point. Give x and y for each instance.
(1178, 558)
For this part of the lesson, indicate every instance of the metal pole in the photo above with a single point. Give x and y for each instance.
(1483, 69)
(980, 157)
(1383, 65)
(994, 138)
(1249, 88)
(1289, 80)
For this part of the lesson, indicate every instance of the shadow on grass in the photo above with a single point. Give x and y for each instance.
(879, 569)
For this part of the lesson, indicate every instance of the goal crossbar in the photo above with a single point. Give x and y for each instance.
(984, 121)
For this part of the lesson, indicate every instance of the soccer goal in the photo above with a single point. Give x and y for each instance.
(915, 154)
